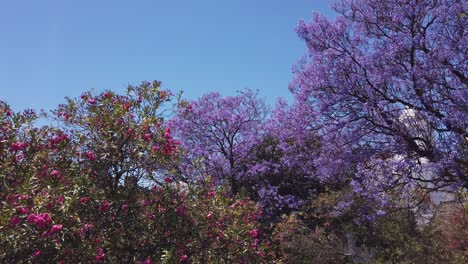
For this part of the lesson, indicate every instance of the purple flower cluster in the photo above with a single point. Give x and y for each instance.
(380, 107)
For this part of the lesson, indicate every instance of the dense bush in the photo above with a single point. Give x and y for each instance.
(98, 188)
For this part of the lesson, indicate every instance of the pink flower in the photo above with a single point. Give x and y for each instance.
(55, 229)
(183, 258)
(36, 253)
(42, 220)
(147, 137)
(124, 207)
(14, 220)
(254, 233)
(84, 200)
(100, 256)
(168, 180)
(22, 210)
(18, 146)
(181, 210)
(91, 101)
(24, 197)
(167, 133)
(60, 199)
(104, 206)
(91, 156)
(210, 194)
(31, 218)
(155, 148)
(85, 229)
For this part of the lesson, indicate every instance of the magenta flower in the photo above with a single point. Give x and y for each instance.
(168, 180)
(147, 137)
(167, 133)
(60, 200)
(104, 206)
(84, 200)
(254, 233)
(14, 220)
(100, 256)
(32, 218)
(124, 207)
(36, 253)
(41, 220)
(210, 194)
(91, 156)
(55, 229)
(22, 210)
(183, 258)
(18, 146)
(181, 210)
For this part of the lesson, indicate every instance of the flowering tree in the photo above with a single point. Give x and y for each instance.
(121, 136)
(222, 132)
(283, 170)
(96, 189)
(388, 80)
(270, 158)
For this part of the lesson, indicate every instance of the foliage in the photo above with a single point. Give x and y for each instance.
(387, 80)
(239, 146)
(398, 239)
(222, 132)
(98, 189)
(377, 128)
(300, 244)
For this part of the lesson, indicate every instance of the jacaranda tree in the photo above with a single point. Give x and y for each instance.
(388, 81)
(221, 131)
(234, 141)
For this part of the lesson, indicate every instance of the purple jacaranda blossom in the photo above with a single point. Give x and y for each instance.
(390, 95)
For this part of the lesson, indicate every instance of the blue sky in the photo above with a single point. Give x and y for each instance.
(52, 49)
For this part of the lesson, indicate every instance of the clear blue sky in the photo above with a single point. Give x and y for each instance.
(52, 49)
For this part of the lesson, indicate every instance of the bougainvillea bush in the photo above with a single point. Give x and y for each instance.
(98, 187)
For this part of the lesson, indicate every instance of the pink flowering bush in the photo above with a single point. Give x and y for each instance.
(99, 187)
